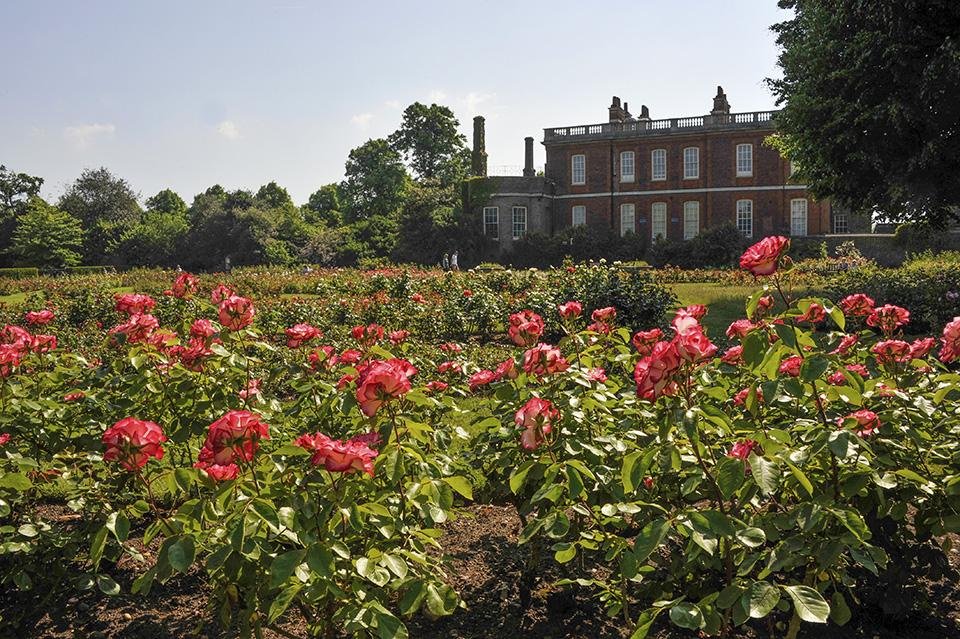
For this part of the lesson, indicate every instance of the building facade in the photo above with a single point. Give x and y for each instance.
(668, 179)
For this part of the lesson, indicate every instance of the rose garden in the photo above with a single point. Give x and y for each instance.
(299, 454)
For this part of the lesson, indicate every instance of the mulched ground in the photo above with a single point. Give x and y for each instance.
(484, 564)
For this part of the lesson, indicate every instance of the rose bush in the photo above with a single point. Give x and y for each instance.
(303, 458)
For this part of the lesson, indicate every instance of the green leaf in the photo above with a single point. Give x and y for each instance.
(686, 615)
(645, 622)
(853, 522)
(107, 585)
(283, 566)
(649, 538)
(184, 478)
(760, 599)
(320, 560)
(752, 537)
(181, 552)
(282, 602)
(119, 525)
(802, 478)
(574, 482)
(267, 512)
(730, 476)
(839, 611)
(28, 530)
(16, 481)
(388, 626)
(396, 565)
(766, 473)
(97, 545)
(564, 552)
(519, 475)
(630, 482)
(461, 485)
(809, 603)
(813, 368)
(441, 600)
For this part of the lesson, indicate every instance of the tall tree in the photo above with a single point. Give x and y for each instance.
(107, 207)
(375, 181)
(46, 236)
(430, 141)
(323, 207)
(16, 189)
(870, 107)
(273, 196)
(167, 201)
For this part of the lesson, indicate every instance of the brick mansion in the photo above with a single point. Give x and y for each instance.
(669, 178)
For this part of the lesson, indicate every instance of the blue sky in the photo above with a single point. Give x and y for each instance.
(188, 93)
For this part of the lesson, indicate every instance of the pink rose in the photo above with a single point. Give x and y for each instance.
(481, 378)
(733, 356)
(742, 449)
(857, 304)
(525, 328)
(220, 293)
(544, 359)
(814, 314)
(891, 350)
(234, 437)
(338, 456)
(570, 310)
(300, 334)
(367, 335)
(39, 318)
(654, 373)
(134, 303)
(791, 366)
(950, 342)
(185, 285)
(762, 258)
(888, 318)
(867, 422)
(845, 344)
(644, 341)
(399, 337)
(604, 315)
(381, 381)
(740, 328)
(132, 442)
(920, 348)
(236, 313)
(535, 418)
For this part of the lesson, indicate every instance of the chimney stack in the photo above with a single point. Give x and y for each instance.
(478, 159)
(720, 104)
(528, 157)
(616, 111)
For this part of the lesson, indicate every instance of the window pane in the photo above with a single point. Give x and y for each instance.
(579, 215)
(691, 162)
(745, 217)
(491, 221)
(798, 217)
(658, 220)
(519, 221)
(840, 223)
(658, 164)
(627, 169)
(628, 219)
(744, 159)
(691, 219)
(579, 169)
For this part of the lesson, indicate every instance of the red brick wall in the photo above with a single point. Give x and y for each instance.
(771, 207)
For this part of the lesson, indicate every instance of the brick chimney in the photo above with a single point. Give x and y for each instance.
(616, 111)
(720, 104)
(478, 158)
(528, 157)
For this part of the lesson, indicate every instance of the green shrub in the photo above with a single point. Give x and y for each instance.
(715, 247)
(928, 286)
(19, 273)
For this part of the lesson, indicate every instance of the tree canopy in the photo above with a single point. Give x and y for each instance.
(870, 103)
(46, 236)
(375, 181)
(430, 141)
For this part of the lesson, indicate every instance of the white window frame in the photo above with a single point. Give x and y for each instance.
(691, 219)
(495, 210)
(628, 218)
(691, 163)
(582, 210)
(658, 165)
(745, 217)
(744, 160)
(519, 222)
(799, 210)
(578, 175)
(837, 218)
(628, 159)
(658, 220)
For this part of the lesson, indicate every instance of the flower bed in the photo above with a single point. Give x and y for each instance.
(308, 467)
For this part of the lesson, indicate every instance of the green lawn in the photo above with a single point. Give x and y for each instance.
(14, 298)
(725, 303)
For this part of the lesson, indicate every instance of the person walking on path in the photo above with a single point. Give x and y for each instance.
(445, 262)
(455, 261)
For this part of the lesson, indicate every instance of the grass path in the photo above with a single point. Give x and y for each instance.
(725, 303)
